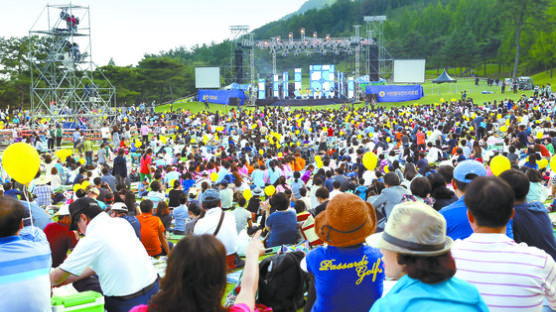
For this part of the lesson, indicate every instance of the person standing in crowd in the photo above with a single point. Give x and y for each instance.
(25, 259)
(146, 162)
(110, 249)
(119, 168)
(416, 253)
(59, 134)
(510, 276)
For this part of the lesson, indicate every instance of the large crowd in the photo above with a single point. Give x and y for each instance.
(442, 207)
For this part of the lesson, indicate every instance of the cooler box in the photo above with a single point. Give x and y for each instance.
(88, 301)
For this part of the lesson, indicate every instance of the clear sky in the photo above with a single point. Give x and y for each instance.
(127, 29)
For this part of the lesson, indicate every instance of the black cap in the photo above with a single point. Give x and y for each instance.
(82, 205)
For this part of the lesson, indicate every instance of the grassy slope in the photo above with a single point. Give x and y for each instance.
(447, 92)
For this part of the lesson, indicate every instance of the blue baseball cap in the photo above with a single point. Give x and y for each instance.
(210, 195)
(469, 167)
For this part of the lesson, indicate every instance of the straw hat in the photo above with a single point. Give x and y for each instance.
(346, 221)
(414, 228)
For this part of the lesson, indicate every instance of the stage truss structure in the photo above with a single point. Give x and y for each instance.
(308, 46)
(375, 32)
(62, 67)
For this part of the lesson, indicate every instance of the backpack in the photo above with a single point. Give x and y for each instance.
(282, 283)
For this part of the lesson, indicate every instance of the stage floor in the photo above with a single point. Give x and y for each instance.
(301, 102)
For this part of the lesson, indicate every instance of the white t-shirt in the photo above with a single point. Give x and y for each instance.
(111, 248)
(105, 132)
(227, 233)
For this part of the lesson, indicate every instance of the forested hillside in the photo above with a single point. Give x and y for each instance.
(447, 33)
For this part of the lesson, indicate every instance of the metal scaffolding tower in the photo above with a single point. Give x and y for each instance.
(62, 67)
(356, 40)
(237, 32)
(375, 31)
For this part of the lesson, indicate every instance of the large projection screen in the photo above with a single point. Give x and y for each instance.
(409, 71)
(207, 77)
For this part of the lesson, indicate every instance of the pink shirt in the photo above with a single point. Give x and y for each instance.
(144, 130)
(241, 307)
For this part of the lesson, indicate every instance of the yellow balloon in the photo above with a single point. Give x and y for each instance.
(503, 129)
(247, 194)
(270, 190)
(540, 135)
(214, 176)
(63, 154)
(553, 163)
(82, 161)
(500, 164)
(21, 161)
(261, 152)
(370, 160)
(543, 163)
(386, 169)
(138, 144)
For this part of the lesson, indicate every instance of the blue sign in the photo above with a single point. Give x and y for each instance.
(275, 86)
(396, 93)
(285, 80)
(262, 90)
(220, 96)
(298, 80)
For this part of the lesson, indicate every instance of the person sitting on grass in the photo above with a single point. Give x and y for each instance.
(195, 278)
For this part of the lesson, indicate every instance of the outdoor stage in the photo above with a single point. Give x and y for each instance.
(301, 102)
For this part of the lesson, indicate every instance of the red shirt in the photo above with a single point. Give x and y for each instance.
(330, 132)
(420, 138)
(61, 239)
(146, 162)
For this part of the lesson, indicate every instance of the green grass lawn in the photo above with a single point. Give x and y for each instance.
(444, 91)
(543, 78)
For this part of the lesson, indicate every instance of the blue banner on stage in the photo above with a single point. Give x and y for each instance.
(396, 93)
(220, 96)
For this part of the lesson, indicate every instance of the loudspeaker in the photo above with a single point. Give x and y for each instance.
(239, 65)
(291, 90)
(235, 101)
(373, 63)
(268, 90)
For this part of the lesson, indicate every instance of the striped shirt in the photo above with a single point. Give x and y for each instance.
(24, 271)
(509, 276)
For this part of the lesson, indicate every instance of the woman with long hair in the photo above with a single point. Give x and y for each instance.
(163, 213)
(440, 193)
(195, 278)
